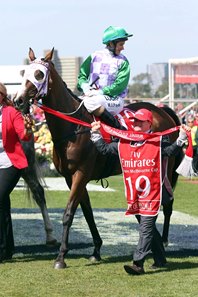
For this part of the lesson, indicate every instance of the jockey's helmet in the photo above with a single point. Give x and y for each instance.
(115, 33)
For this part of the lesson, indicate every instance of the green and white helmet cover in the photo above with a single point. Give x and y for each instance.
(114, 33)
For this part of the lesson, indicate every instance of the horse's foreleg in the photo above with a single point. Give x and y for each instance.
(88, 214)
(167, 211)
(39, 196)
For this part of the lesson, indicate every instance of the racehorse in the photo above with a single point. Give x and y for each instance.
(75, 156)
(30, 176)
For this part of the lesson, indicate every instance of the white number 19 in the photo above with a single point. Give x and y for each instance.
(143, 192)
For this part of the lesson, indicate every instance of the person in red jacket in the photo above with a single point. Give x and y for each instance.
(13, 128)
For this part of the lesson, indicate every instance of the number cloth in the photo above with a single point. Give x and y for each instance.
(141, 166)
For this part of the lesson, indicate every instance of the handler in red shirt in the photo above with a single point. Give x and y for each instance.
(13, 128)
(141, 166)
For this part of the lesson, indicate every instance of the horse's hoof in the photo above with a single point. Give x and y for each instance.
(95, 259)
(51, 243)
(59, 265)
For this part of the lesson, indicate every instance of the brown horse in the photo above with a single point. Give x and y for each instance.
(75, 156)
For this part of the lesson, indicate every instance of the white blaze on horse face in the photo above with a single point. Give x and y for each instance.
(20, 91)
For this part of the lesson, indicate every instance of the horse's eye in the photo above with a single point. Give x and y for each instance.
(39, 75)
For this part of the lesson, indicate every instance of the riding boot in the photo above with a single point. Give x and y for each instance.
(110, 120)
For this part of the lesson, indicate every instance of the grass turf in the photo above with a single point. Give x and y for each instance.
(34, 275)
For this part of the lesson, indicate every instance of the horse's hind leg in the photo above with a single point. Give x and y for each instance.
(88, 214)
(167, 211)
(30, 177)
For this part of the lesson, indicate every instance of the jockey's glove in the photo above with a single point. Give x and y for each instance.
(85, 87)
(95, 136)
(182, 139)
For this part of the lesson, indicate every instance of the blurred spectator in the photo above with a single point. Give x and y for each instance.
(194, 133)
(182, 116)
(196, 119)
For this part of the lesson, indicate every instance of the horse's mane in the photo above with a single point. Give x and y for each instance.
(51, 64)
(72, 93)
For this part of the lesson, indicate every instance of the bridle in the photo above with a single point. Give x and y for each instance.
(42, 87)
(43, 70)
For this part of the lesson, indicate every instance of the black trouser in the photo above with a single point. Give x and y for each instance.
(8, 180)
(149, 240)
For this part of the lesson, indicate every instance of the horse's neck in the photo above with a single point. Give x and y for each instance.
(60, 99)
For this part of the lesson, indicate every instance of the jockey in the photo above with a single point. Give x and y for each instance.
(144, 182)
(104, 76)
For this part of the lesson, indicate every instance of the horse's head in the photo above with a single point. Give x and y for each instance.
(35, 81)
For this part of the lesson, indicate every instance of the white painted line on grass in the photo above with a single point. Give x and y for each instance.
(59, 184)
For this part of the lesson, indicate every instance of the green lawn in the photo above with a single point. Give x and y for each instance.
(33, 275)
(186, 199)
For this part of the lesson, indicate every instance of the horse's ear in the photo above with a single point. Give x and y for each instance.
(31, 54)
(49, 55)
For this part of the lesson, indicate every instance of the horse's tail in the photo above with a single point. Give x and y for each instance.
(175, 175)
(34, 182)
(178, 157)
(32, 174)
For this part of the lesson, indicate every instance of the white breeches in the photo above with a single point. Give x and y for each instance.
(114, 106)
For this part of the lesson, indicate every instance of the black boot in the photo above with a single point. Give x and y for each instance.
(110, 120)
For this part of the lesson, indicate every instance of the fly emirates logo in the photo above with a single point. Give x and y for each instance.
(137, 162)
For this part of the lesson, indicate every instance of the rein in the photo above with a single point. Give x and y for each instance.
(75, 111)
(66, 118)
(62, 115)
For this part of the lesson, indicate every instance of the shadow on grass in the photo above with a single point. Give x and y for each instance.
(171, 265)
(43, 252)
